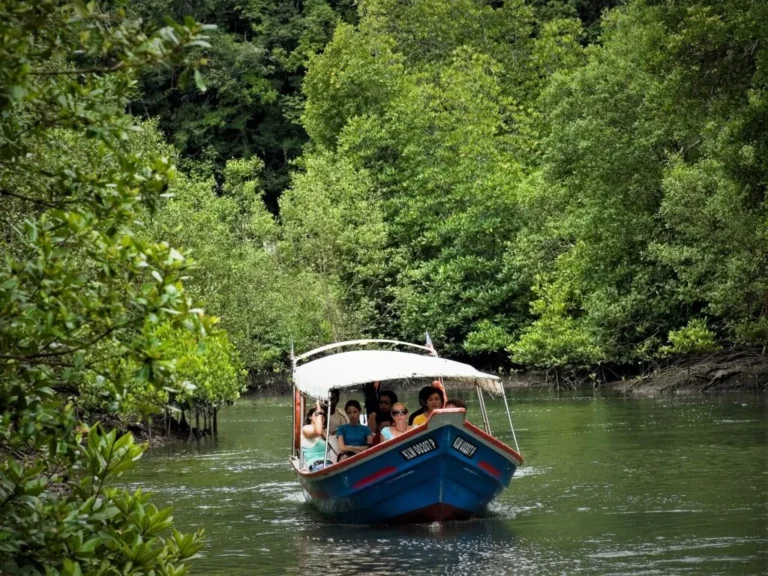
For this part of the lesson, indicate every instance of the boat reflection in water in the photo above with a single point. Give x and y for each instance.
(445, 469)
(473, 547)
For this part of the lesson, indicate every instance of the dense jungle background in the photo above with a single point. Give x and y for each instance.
(537, 184)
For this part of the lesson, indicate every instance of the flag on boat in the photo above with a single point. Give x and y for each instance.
(428, 343)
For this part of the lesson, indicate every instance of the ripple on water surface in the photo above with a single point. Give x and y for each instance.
(610, 486)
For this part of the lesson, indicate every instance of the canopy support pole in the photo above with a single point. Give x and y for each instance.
(483, 410)
(509, 416)
(433, 352)
(302, 411)
(293, 421)
(327, 427)
(293, 401)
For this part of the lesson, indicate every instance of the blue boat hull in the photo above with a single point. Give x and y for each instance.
(445, 470)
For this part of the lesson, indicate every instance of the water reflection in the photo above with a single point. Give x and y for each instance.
(450, 548)
(610, 486)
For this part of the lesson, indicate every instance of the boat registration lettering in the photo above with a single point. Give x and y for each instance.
(465, 447)
(419, 449)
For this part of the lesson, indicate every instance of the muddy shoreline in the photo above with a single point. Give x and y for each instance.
(731, 371)
(741, 371)
(728, 371)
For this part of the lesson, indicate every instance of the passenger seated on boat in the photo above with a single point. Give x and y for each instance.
(386, 400)
(425, 393)
(434, 401)
(371, 391)
(386, 421)
(401, 426)
(353, 437)
(313, 439)
(337, 416)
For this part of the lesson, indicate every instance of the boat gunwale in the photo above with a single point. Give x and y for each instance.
(339, 466)
(495, 441)
(365, 454)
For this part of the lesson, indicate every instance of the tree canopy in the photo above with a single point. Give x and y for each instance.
(542, 184)
(80, 288)
(570, 202)
(254, 70)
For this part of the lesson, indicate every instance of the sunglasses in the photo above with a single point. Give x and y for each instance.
(399, 412)
(319, 414)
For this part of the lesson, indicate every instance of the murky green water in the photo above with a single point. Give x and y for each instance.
(611, 485)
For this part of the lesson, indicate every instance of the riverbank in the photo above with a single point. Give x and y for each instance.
(726, 371)
(164, 430)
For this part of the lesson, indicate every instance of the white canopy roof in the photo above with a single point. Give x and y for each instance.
(347, 369)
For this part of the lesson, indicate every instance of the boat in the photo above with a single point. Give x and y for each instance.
(445, 469)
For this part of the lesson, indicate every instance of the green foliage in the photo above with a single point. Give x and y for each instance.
(89, 528)
(261, 51)
(426, 98)
(333, 225)
(717, 241)
(254, 71)
(570, 205)
(556, 342)
(589, 12)
(263, 287)
(332, 221)
(207, 374)
(559, 338)
(487, 336)
(567, 182)
(659, 208)
(211, 366)
(78, 285)
(694, 338)
(355, 76)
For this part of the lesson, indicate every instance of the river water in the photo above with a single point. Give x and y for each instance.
(611, 485)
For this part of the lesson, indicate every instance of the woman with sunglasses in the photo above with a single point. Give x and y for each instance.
(401, 426)
(313, 439)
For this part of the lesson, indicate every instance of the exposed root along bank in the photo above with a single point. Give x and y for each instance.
(727, 371)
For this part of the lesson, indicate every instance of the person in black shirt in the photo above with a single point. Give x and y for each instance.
(371, 393)
(387, 399)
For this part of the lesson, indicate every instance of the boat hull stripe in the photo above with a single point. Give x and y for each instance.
(375, 476)
(490, 468)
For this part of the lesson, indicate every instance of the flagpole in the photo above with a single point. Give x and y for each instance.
(428, 344)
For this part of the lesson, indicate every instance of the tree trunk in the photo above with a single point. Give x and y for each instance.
(215, 421)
